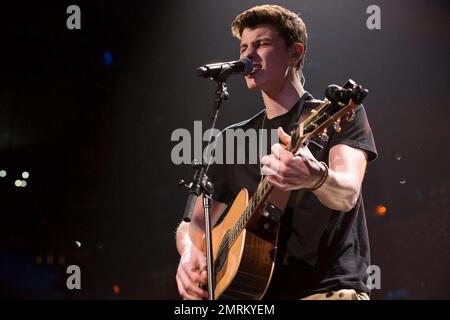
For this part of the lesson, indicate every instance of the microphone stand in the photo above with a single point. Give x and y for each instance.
(202, 185)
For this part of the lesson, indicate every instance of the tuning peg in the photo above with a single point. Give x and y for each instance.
(183, 183)
(350, 117)
(323, 136)
(337, 127)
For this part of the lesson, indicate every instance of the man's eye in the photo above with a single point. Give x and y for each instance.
(262, 44)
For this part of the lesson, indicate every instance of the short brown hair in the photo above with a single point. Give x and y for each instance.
(291, 27)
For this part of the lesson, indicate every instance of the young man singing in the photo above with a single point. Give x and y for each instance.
(323, 247)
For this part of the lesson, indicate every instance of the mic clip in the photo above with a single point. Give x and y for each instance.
(200, 184)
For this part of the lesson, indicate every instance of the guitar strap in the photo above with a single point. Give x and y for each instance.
(278, 199)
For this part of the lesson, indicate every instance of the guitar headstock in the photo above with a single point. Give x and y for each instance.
(339, 105)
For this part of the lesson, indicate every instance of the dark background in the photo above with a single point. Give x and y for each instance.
(89, 114)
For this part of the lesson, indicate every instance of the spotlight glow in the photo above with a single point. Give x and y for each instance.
(381, 210)
(50, 258)
(116, 289)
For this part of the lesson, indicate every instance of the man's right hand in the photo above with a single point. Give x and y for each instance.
(191, 273)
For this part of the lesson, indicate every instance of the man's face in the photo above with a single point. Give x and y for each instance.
(270, 56)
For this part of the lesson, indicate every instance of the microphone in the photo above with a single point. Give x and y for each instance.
(225, 69)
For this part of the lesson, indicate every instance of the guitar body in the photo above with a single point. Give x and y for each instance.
(244, 269)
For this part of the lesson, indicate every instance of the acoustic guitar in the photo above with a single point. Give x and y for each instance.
(245, 242)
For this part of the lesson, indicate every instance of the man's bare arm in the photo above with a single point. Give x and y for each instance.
(192, 232)
(345, 175)
(342, 186)
(189, 239)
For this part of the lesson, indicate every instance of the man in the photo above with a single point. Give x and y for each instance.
(323, 248)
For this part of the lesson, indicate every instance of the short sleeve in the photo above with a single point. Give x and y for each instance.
(357, 134)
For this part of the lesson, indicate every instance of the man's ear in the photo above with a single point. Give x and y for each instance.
(296, 52)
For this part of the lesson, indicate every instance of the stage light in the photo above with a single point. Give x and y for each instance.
(18, 183)
(107, 58)
(2, 173)
(23, 183)
(78, 244)
(25, 175)
(116, 289)
(381, 210)
(50, 259)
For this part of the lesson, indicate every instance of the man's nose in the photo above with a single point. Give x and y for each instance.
(249, 53)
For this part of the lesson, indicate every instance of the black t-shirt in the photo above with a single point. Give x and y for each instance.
(319, 249)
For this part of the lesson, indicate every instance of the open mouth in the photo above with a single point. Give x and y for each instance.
(256, 68)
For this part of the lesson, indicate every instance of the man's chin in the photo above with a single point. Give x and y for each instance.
(252, 85)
